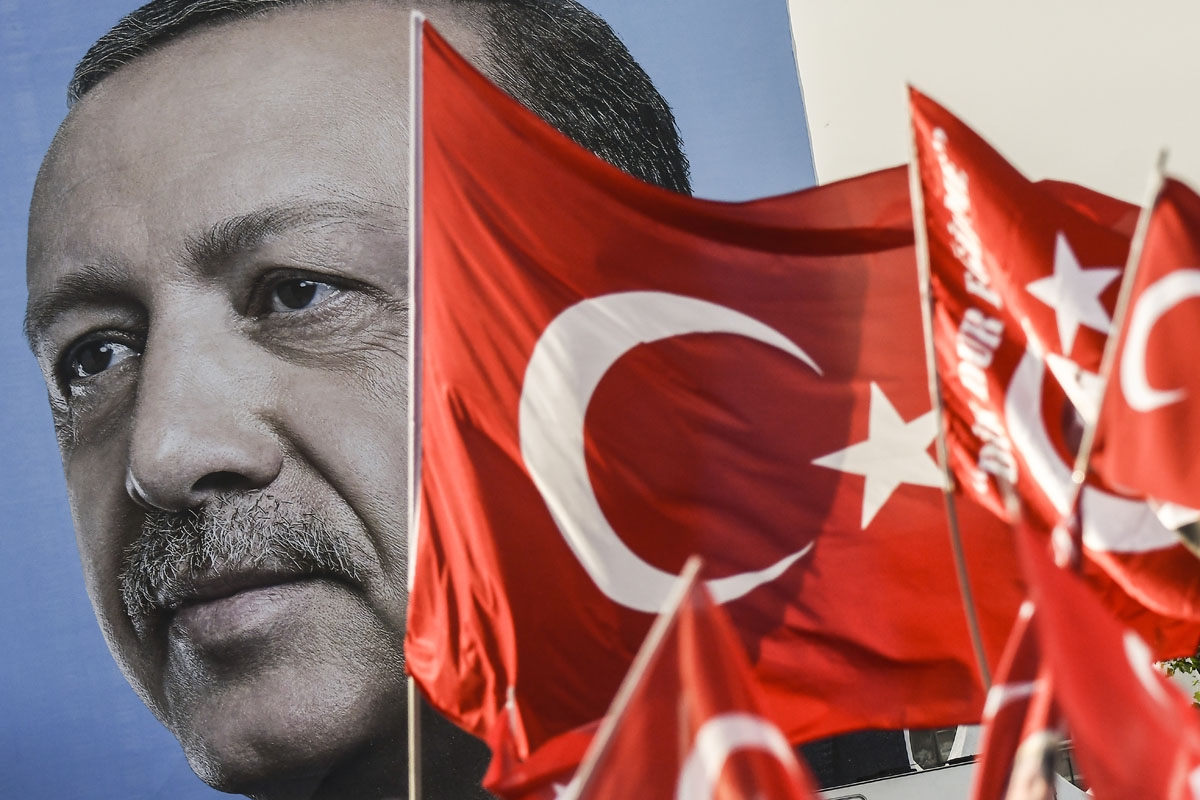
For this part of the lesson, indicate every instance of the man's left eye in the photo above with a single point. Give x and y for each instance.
(297, 294)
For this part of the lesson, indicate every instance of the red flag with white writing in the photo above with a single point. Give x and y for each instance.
(1024, 281)
(1020, 720)
(1135, 733)
(693, 725)
(1149, 426)
(612, 377)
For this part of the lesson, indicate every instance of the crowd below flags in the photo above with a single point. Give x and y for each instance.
(612, 376)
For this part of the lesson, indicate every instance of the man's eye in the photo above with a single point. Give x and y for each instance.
(95, 356)
(297, 294)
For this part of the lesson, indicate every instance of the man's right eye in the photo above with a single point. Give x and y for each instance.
(93, 356)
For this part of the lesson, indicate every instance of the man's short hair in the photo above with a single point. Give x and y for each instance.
(555, 56)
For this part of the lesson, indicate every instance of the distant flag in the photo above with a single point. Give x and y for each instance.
(1149, 431)
(688, 722)
(1023, 279)
(1134, 733)
(545, 774)
(611, 376)
(1020, 721)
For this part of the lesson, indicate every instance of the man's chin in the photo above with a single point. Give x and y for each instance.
(283, 745)
(283, 699)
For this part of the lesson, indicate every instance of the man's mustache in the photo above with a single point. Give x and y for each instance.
(226, 535)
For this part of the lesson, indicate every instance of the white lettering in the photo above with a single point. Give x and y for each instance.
(996, 455)
(965, 243)
(998, 461)
(973, 379)
(980, 289)
(978, 337)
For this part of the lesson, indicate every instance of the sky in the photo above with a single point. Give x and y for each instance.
(71, 727)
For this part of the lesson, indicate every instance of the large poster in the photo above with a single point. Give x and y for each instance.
(72, 727)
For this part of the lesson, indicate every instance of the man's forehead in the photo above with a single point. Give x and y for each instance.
(304, 32)
(258, 69)
(224, 121)
(250, 70)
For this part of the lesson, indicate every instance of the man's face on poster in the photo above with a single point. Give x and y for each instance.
(218, 286)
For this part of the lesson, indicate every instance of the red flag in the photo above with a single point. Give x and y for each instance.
(1149, 428)
(693, 724)
(1135, 734)
(1023, 284)
(542, 776)
(1020, 720)
(613, 377)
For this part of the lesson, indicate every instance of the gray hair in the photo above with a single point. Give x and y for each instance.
(555, 56)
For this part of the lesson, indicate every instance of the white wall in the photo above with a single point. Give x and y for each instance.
(1082, 90)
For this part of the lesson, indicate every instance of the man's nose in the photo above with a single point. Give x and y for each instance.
(201, 421)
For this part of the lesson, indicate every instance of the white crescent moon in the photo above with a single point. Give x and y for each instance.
(1110, 523)
(720, 737)
(1159, 298)
(574, 352)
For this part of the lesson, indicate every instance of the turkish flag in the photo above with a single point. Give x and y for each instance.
(693, 724)
(612, 377)
(545, 774)
(1135, 734)
(1149, 425)
(1024, 279)
(1020, 721)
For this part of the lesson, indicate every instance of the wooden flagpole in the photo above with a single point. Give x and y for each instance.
(1088, 440)
(637, 670)
(415, 186)
(925, 277)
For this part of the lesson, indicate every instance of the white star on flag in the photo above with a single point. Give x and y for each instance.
(1074, 294)
(893, 453)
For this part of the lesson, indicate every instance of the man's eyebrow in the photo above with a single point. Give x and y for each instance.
(219, 243)
(89, 284)
(243, 233)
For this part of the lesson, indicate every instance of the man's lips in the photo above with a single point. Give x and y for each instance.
(218, 585)
(229, 615)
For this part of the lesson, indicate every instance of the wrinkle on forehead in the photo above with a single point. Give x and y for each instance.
(309, 34)
(242, 233)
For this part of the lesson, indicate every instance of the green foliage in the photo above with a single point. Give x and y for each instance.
(1189, 665)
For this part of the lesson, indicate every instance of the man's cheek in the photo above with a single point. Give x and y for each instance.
(102, 536)
(106, 521)
(365, 382)
(98, 414)
(363, 331)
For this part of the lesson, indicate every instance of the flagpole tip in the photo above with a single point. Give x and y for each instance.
(691, 568)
